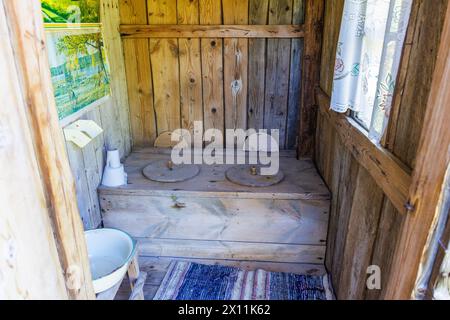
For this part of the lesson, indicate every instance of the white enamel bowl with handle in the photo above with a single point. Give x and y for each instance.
(110, 252)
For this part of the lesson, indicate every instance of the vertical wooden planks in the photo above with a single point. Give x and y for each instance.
(360, 237)
(87, 168)
(235, 67)
(348, 174)
(334, 185)
(328, 143)
(428, 177)
(331, 29)
(92, 169)
(391, 222)
(244, 82)
(113, 116)
(109, 122)
(417, 84)
(110, 18)
(353, 243)
(319, 150)
(139, 75)
(165, 67)
(295, 77)
(277, 71)
(329, 138)
(212, 68)
(258, 15)
(390, 132)
(310, 75)
(190, 67)
(81, 186)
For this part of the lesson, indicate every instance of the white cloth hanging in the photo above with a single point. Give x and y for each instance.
(367, 59)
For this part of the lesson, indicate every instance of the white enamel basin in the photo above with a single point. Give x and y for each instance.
(110, 252)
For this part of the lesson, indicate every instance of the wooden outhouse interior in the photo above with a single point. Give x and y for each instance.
(346, 202)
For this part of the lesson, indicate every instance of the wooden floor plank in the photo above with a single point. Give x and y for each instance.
(228, 250)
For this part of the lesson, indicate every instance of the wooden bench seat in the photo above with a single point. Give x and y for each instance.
(209, 217)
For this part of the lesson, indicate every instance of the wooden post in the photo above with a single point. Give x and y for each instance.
(136, 278)
(24, 19)
(432, 162)
(110, 19)
(29, 262)
(310, 75)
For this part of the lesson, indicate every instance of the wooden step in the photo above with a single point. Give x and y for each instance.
(230, 250)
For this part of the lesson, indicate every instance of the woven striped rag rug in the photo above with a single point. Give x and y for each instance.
(192, 281)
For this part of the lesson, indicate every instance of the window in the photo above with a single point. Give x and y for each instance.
(367, 60)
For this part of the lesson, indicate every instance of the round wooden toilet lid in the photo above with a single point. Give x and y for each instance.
(165, 171)
(244, 175)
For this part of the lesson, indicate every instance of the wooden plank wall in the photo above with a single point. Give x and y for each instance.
(364, 224)
(429, 186)
(224, 82)
(87, 164)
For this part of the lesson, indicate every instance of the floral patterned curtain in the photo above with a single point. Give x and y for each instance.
(367, 59)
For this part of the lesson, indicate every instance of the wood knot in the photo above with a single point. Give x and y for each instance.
(175, 50)
(236, 86)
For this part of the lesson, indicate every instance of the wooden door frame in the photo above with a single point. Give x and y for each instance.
(27, 38)
(427, 180)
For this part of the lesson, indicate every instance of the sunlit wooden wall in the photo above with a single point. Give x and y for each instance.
(365, 222)
(226, 83)
(87, 163)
